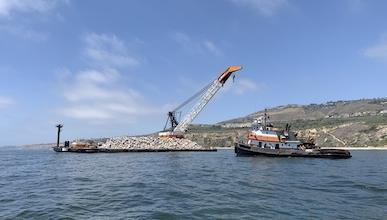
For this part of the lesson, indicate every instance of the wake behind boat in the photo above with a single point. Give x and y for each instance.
(265, 140)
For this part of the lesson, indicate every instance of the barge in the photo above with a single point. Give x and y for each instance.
(79, 147)
(105, 150)
(265, 140)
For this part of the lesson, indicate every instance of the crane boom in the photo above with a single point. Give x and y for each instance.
(208, 92)
(212, 90)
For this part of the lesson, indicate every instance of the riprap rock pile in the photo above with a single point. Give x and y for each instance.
(151, 143)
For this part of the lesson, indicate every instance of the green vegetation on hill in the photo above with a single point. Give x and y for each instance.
(332, 124)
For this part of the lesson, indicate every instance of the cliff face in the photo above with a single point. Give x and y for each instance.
(333, 124)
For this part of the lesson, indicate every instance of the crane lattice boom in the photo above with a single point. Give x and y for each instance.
(207, 93)
(183, 125)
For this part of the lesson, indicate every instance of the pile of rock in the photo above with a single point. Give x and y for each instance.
(151, 143)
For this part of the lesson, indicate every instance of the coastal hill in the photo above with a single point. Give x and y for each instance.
(357, 123)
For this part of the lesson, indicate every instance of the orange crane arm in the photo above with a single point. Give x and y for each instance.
(227, 73)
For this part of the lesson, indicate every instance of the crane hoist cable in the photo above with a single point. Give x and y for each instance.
(206, 94)
(192, 97)
(172, 117)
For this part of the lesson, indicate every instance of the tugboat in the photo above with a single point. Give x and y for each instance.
(265, 140)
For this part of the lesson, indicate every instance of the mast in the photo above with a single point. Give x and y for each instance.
(59, 126)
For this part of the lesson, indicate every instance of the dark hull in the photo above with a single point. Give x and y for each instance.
(248, 150)
(72, 150)
(104, 150)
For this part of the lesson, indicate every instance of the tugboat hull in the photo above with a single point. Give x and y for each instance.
(250, 150)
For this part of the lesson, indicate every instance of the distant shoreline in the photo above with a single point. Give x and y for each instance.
(357, 148)
(345, 148)
(228, 148)
(38, 145)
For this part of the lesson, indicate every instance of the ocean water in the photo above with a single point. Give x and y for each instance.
(42, 184)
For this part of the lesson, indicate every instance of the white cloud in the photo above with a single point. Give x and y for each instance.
(86, 112)
(378, 51)
(97, 93)
(6, 102)
(245, 85)
(212, 47)
(196, 46)
(108, 50)
(94, 76)
(7, 7)
(13, 14)
(23, 32)
(263, 7)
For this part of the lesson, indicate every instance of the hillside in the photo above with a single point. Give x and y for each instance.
(356, 123)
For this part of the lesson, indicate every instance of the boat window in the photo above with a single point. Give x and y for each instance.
(277, 146)
(260, 144)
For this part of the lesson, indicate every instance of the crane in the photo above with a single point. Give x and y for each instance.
(177, 129)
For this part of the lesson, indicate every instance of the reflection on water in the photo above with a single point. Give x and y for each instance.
(44, 184)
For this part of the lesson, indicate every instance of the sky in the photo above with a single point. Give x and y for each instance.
(111, 68)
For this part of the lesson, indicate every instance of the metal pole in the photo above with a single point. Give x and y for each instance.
(59, 126)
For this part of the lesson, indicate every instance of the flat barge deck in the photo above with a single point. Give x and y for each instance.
(105, 150)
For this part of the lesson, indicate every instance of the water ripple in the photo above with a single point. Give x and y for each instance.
(41, 184)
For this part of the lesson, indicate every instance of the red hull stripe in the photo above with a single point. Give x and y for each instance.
(263, 138)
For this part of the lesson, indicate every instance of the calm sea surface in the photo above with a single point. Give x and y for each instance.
(42, 184)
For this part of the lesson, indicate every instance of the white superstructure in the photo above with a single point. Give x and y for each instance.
(265, 136)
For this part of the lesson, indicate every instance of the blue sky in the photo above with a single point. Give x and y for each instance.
(109, 68)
